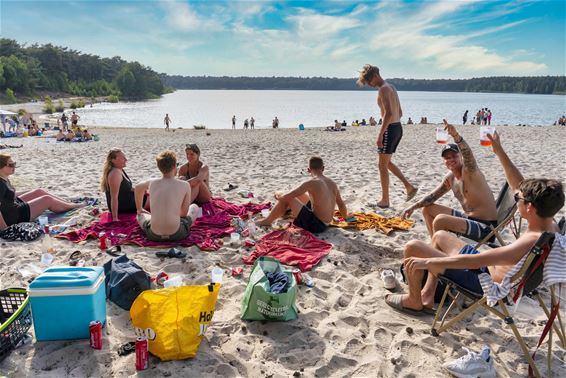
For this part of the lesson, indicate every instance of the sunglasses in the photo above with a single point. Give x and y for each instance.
(11, 165)
(518, 198)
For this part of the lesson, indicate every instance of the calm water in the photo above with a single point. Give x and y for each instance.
(317, 108)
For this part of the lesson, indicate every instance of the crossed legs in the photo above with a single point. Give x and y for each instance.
(39, 201)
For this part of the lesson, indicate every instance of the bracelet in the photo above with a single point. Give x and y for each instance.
(459, 141)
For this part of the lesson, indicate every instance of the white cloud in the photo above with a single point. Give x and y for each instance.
(183, 17)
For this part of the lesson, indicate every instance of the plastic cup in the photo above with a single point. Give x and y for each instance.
(234, 237)
(484, 130)
(46, 259)
(216, 276)
(265, 213)
(173, 282)
(43, 220)
(441, 135)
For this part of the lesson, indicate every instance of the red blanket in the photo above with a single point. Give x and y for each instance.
(205, 232)
(293, 246)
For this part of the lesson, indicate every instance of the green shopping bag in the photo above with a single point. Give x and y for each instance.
(259, 303)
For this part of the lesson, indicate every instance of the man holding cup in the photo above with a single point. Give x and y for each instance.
(470, 188)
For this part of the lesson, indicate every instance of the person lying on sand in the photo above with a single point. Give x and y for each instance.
(312, 203)
(469, 187)
(196, 173)
(170, 201)
(538, 200)
(17, 207)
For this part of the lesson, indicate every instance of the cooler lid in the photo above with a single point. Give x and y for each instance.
(67, 277)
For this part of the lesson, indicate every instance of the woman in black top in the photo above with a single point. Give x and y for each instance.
(17, 207)
(195, 172)
(117, 185)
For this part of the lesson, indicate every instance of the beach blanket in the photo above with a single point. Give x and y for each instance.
(205, 232)
(292, 246)
(366, 221)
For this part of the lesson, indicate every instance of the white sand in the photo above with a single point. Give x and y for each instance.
(344, 327)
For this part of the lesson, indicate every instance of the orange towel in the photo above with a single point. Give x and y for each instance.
(366, 221)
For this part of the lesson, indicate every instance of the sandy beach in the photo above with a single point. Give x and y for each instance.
(344, 328)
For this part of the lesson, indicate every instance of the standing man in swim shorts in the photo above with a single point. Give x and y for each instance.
(390, 133)
(167, 121)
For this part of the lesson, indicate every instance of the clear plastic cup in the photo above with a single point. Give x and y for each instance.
(265, 213)
(441, 135)
(46, 259)
(173, 282)
(484, 130)
(234, 237)
(216, 276)
(43, 220)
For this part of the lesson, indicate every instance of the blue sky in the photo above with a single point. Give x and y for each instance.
(411, 39)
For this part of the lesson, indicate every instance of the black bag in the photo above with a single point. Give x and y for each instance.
(125, 280)
(27, 231)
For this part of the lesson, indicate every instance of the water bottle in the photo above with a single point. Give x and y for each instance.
(251, 228)
(485, 353)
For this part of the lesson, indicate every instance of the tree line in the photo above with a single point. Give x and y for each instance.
(27, 69)
(506, 84)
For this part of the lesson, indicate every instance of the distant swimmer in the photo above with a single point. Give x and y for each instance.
(390, 133)
(233, 122)
(167, 121)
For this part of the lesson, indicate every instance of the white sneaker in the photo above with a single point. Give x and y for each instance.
(471, 365)
(389, 280)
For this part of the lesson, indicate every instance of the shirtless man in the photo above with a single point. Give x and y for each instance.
(75, 119)
(167, 121)
(390, 133)
(469, 187)
(170, 201)
(312, 204)
(234, 122)
(538, 200)
(196, 173)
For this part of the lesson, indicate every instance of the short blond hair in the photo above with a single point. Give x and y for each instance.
(366, 74)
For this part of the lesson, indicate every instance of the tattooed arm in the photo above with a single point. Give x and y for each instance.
(440, 190)
(467, 155)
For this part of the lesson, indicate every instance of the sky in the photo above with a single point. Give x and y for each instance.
(404, 38)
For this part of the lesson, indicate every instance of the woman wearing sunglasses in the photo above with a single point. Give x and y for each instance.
(17, 207)
(196, 174)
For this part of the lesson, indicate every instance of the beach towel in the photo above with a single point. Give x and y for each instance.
(293, 246)
(205, 232)
(366, 221)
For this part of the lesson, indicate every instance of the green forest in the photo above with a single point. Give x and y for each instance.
(24, 70)
(534, 84)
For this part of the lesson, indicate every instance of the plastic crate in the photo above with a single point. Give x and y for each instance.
(15, 318)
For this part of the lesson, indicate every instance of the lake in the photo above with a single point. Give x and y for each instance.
(215, 108)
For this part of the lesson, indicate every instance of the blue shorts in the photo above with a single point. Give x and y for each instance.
(308, 221)
(476, 229)
(467, 278)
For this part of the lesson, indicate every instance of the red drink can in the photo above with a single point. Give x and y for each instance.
(142, 354)
(298, 276)
(95, 328)
(237, 271)
(102, 238)
(161, 278)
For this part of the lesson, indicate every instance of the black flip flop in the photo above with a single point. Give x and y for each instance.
(127, 348)
(229, 187)
(114, 251)
(75, 257)
(173, 253)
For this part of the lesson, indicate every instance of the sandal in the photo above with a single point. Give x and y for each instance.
(114, 251)
(229, 187)
(173, 252)
(127, 348)
(75, 257)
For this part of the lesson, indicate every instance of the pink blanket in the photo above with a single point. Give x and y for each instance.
(293, 246)
(205, 232)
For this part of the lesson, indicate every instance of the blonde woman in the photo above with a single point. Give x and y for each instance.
(117, 186)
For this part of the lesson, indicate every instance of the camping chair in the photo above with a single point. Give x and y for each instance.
(525, 281)
(506, 209)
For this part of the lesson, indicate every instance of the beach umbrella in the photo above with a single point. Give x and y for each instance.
(6, 112)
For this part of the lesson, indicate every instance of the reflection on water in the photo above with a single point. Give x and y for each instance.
(317, 108)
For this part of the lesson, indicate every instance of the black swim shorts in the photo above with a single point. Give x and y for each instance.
(308, 221)
(391, 138)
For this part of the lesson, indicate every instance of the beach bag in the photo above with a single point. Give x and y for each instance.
(125, 280)
(175, 319)
(259, 303)
(27, 231)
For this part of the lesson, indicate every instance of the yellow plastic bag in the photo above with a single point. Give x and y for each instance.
(174, 320)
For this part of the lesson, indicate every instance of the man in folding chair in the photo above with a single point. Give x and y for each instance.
(467, 182)
(538, 201)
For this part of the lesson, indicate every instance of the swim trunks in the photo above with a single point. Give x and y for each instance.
(181, 233)
(476, 229)
(391, 138)
(467, 278)
(308, 221)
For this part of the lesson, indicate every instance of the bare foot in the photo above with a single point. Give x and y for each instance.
(383, 204)
(263, 223)
(411, 193)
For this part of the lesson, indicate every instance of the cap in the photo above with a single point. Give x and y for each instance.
(449, 147)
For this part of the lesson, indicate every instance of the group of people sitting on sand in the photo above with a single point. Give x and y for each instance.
(74, 135)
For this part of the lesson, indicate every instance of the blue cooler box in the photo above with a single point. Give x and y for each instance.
(64, 300)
